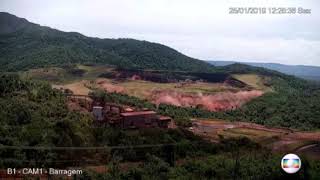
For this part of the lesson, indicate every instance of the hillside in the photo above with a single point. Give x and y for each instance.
(35, 118)
(305, 72)
(25, 45)
(33, 114)
(41, 127)
(286, 102)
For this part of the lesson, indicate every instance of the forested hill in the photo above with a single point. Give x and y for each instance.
(25, 45)
(302, 71)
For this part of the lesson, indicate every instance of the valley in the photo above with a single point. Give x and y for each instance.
(211, 96)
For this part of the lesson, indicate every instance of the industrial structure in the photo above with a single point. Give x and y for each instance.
(115, 115)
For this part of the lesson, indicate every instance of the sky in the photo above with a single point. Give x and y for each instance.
(202, 29)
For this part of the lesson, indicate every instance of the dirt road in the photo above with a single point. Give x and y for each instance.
(278, 139)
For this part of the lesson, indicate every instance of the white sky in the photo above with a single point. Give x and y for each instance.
(202, 29)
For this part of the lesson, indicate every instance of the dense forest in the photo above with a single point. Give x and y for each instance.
(302, 71)
(294, 103)
(257, 165)
(24, 45)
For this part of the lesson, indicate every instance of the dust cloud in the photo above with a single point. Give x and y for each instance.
(217, 102)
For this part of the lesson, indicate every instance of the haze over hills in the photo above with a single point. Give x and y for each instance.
(25, 45)
(306, 72)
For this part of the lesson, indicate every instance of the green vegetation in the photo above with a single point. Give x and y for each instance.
(66, 73)
(236, 165)
(254, 80)
(246, 69)
(259, 136)
(26, 45)
(34, 115)
(295, 103)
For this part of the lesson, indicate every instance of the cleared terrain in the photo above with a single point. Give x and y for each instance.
(224, 94)
(218, 96)
(278, 139)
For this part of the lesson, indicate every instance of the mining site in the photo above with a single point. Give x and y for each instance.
(159, 90)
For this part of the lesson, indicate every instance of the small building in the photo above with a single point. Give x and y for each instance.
(143, 119)
(139, 119)
(164, 121)
(115, 115)
(97, 112)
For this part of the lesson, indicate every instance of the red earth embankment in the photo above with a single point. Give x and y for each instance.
(214, 102)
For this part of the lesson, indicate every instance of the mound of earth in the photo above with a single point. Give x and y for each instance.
(109, 87)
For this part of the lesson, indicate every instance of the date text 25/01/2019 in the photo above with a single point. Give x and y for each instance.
(269, 10)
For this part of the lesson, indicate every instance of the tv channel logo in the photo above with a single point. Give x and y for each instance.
(291, 163)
